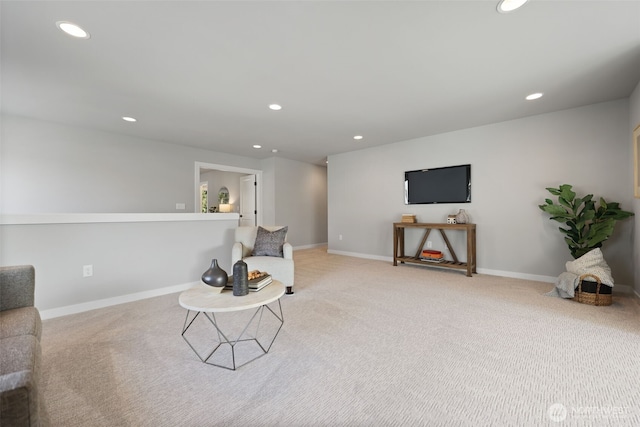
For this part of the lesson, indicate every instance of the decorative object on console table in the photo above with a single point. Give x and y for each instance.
(432, 255)
(409, 218)
(240, 279)
(451, 219)
(215, 276)
(462, 217)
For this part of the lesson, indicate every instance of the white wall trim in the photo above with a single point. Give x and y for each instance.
(359, 255)
(626, 289)
(515, 275)
(87, 218)
(107, 302)
(225, 168)
(314, 245)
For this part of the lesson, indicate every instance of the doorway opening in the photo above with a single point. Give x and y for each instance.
(234, 180)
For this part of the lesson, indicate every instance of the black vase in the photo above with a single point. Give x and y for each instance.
(215, 276)
(240, 279)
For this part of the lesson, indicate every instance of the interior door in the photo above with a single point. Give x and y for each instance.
(248, 189)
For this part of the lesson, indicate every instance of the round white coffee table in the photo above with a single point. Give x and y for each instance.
(203, 300)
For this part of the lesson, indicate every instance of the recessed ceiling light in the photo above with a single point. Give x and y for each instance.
(506, 6)
(129, 119)
(73, 29)
(533, 96)
(275, 107)
(358, 137)
(257, 146)
(274, 150)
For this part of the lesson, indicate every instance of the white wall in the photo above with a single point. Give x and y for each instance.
(634, 114)
(512, 163)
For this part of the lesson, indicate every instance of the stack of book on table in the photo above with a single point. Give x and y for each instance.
(432, 255)
(411, 218)
(257, 280)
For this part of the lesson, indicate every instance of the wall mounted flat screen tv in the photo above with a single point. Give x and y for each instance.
(450, 184)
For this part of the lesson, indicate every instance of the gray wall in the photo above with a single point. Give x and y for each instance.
(634, 114)
(297, 203)
(49, 168)
(128, 258)
(512, 163)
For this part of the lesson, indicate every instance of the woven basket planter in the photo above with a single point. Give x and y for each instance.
(596, 297)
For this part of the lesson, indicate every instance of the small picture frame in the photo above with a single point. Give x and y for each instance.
(636, 162)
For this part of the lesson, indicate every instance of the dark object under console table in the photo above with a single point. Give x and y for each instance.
(398, 245)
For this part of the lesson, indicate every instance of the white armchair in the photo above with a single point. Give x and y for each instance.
(280, 268)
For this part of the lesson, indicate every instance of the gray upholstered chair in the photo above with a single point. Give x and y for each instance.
(265, 250)
(21, 402)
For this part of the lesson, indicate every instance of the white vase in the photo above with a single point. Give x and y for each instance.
(462, 217)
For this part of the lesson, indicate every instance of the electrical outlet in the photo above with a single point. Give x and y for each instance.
(339, 236)
(429, 245)
(180, 206)
(87, 270)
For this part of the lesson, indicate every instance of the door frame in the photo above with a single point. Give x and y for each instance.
(224, 168)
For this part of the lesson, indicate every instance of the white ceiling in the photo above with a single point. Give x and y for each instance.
(203, 73)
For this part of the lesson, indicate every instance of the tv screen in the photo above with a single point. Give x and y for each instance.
(450, 184)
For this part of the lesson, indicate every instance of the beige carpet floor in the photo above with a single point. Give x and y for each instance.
(363, 344)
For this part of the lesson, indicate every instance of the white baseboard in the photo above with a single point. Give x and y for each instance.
(314, 245)
(92, 305)
(514, 275)
(623, 289)
(359, 255)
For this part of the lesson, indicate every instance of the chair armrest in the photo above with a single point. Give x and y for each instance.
(17, 287)
(287, 251)
(236, 253)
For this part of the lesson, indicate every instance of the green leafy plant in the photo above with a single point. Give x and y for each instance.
(588, 225)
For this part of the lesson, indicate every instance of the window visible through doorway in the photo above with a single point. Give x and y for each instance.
(204, 197)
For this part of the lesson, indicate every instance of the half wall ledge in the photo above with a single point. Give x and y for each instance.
(88, 218)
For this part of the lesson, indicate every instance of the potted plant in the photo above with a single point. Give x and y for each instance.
(588, 225)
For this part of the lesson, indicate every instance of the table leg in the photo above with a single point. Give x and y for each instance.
(256, 318)
(471, 252)
(395, 245)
